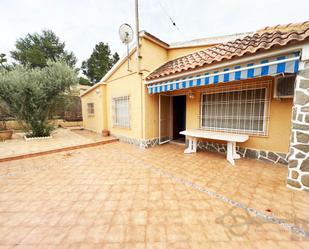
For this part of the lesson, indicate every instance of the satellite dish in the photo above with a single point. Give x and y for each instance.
(126, 36)
(126, 33)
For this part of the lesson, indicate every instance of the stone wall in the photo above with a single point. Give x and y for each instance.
(266, 156)
(138, 142)
(298, 173)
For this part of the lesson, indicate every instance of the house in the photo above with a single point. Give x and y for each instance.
(252, 83)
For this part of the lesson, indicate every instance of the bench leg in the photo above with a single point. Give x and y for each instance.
(192, 145)
(235, 155)
(231, 152)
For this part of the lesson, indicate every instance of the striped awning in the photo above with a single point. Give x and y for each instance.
(265, 67)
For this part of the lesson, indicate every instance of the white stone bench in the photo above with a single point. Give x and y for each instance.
(230, 138)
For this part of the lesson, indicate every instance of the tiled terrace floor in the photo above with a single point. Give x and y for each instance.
(108, 197)
(61, 137)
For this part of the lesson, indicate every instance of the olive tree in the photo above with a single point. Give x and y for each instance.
(31, 93)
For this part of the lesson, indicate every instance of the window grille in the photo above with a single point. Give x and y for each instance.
(240, 109)
(90, 108)
(121, 113)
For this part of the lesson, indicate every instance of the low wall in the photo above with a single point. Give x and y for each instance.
(14, 125)
(264, 155)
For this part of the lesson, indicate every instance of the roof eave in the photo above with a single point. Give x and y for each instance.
(225, 63)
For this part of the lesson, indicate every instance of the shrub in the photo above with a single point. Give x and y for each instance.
(31, 94)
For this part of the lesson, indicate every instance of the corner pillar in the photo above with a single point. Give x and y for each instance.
(298, 166)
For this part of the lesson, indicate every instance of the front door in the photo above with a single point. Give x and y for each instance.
(165, 120)
(179, 116)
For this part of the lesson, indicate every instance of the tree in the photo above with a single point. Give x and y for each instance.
(31, 93)
(4, 62)
(83, 81)
(100, 62)
(36, 49)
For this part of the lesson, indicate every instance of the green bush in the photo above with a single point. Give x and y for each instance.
(31, 94)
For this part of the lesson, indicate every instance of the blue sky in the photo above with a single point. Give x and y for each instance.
(83, 23)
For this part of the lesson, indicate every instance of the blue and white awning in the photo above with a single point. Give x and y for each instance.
(267, 67)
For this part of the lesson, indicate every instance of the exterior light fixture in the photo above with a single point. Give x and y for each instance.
(191, 95)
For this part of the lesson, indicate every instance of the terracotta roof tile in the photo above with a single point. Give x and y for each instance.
(263, 39)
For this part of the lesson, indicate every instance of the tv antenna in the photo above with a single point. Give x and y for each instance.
(126, 36)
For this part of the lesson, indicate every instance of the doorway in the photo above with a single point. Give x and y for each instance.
(172, 118)
(179, 117)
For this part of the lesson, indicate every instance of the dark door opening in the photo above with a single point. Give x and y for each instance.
(179, 117)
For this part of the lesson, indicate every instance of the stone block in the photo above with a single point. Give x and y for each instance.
(283, 155)
(263, 153)
(300, 117)
(305, 109)
(294, 184)
(305, 165)
(303, 127)
(251, 153)
(302, 137)
(307, 118)
(305, 180)
(293, 163)
(305, 71)
(301, 98)
(272, 156)
(300, 155)
(294, 174)
(283, 161)
(302, 147)
(304, 84)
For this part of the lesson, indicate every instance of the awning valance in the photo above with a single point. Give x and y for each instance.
(265, 67)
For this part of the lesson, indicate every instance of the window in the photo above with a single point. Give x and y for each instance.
(121, 115)
(90, 108)
(236, 110)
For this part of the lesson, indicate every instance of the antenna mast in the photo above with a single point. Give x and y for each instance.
(137, 36)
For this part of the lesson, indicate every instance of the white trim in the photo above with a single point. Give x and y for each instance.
(242, 60)
(169, 96)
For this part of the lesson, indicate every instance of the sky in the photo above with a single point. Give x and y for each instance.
(83, 23)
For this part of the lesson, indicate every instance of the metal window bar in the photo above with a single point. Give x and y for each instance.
(242, 108)
(121, 111)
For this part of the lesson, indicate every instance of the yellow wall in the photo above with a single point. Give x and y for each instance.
(143, 107)
(279, 124)
(127, 86)
(97, 121)
(123, 83)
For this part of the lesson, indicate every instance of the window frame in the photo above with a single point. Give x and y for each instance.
(90, 109)
(265, 119)
(124, 125)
